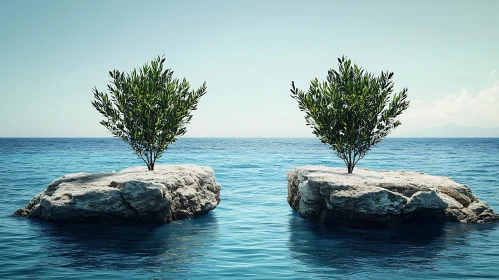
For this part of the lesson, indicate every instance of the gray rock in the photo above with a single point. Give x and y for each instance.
(170, 192)
(367, 196)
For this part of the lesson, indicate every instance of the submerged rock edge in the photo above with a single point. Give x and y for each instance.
(330, 195)
(133, 195)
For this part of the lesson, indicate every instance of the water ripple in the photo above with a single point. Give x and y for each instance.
(253, 234)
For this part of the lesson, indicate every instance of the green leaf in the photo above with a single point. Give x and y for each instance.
(148, 108)
(351, 110)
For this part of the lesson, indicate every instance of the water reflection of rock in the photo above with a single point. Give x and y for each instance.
(414, 246)
(170, 247)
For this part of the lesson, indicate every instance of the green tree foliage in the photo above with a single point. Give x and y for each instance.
(147, 108)
(351, 111)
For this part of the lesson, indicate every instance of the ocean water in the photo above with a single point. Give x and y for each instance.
(253, 233)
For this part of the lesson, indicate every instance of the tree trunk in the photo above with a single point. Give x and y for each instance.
(350, 161)
(150, 165)
(350, 167)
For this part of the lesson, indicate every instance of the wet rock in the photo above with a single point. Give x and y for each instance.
(367, 196)
(170, 192)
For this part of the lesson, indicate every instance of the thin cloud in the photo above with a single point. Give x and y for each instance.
(492, 72)
(479, 109)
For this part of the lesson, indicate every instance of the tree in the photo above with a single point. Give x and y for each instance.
(147, 108)
(351, 111)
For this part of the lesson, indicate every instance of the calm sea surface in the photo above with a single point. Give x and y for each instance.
(253, 233)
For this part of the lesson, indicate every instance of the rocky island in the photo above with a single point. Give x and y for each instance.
(381, 197)
(169, 193)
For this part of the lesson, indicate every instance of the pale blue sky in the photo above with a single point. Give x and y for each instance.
(54, 52)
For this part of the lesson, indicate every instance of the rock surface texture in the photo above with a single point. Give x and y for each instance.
(169, 193)
(366, 196)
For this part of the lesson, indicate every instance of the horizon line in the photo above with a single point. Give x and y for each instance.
(235, 137)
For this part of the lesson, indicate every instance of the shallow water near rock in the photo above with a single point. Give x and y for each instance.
(253, 233)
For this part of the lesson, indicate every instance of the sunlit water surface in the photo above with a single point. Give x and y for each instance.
(252, 234)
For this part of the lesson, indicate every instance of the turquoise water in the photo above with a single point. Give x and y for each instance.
(253, 234)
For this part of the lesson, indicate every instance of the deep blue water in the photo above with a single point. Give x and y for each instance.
(253, 234)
